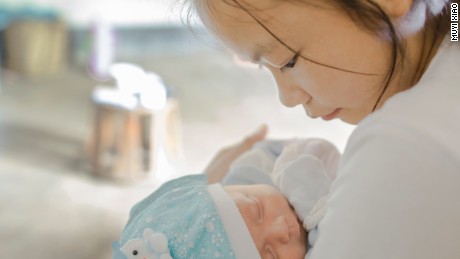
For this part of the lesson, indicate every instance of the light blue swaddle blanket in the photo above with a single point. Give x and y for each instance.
(179, 220)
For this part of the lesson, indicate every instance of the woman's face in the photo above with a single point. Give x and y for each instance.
(272, 222)
(325, 35)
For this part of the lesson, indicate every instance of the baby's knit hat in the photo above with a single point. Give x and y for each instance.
(186, 219)
(415, 19)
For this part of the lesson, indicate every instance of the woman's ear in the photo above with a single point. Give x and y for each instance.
(408, 16)
(395, 8)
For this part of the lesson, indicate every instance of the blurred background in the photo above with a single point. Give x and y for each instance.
(100, 102)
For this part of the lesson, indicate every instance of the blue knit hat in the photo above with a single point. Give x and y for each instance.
(186, 218)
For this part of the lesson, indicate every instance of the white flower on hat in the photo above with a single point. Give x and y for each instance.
(152, 246)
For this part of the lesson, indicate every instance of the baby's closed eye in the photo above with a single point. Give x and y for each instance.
(257, 208)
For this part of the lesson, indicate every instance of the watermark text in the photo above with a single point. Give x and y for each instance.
(454, 22)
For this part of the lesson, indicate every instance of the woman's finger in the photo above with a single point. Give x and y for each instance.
(254, 137)
(219, 166)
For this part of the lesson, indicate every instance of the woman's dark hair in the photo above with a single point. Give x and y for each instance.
(365, 14)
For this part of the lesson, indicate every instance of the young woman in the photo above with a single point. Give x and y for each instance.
(388, 66)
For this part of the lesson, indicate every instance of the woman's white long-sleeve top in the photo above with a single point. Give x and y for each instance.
(397, 190)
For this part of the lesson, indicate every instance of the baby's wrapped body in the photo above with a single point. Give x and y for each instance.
(187, 218)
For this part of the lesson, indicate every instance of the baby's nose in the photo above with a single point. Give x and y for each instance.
(278, 231)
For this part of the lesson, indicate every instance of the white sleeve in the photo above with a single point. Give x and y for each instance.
(255, 165)
(396, 195)
(304, 182)
(303, 172)
(256, 158)
(247, 175)
(323, 150)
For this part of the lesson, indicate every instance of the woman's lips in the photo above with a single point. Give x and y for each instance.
(331, 115)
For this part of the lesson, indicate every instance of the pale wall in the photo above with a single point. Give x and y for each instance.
(120, 12)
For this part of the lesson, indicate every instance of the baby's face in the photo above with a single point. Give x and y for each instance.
(273, 224)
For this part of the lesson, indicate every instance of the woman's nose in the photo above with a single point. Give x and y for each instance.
(292, 99)
(278, 231)
(290, 94)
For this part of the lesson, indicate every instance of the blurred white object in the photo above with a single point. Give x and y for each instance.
(103, 48)
(129, 77)
(148, 87)
(153, 96)
(114, 97)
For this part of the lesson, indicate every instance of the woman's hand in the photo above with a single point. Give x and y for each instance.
(218, 168)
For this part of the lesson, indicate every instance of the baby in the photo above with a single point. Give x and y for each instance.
(302, 170)
(187, 218)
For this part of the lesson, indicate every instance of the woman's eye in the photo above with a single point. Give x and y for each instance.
(291, 63)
